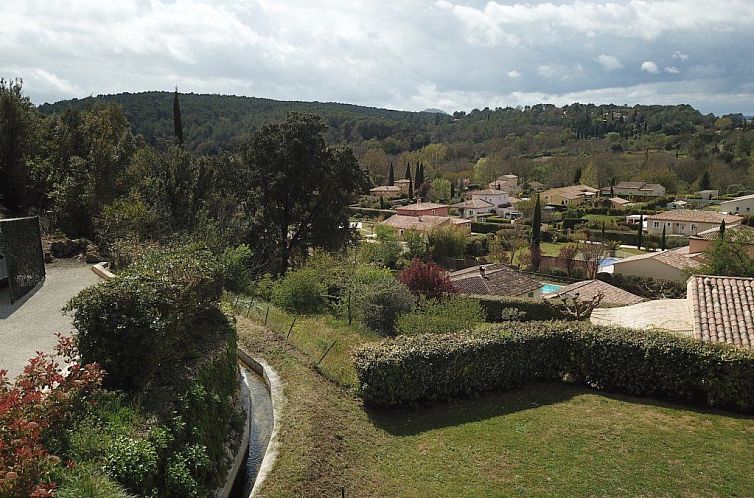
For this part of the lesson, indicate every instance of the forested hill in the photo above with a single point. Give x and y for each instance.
(217, 122)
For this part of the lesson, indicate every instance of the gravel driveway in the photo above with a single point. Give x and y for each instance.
(30, 325)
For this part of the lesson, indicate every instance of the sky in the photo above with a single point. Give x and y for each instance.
(399, 54)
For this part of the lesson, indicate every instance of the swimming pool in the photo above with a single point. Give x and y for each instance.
(549, 288)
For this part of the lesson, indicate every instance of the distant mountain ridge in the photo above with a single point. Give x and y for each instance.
(435, 111)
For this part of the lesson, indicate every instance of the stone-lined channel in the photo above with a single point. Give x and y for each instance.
(260, 429)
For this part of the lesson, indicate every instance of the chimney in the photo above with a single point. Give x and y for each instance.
(481, 271)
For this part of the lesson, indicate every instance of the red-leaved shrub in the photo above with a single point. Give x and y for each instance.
(426, 279)
(31, 406)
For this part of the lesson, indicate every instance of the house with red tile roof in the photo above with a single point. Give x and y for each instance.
(672, 264)
(423, 209)
(722, 309)
(688, 222)
(495, 280)
(588, 289)
(425, 224)
(703, 240)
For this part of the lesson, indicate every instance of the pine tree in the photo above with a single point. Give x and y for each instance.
(577, 176)
(177, 122)
(536, 235)
(391, 176)
(663, 241)
(722, 229)
(640, 233)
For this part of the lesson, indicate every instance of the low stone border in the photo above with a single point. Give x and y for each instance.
(101, 270)
(275, 386)
(243, 448)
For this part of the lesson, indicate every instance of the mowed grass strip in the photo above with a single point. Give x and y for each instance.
(542, 440)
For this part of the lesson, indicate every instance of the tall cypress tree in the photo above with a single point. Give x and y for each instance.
(177, 122)
(417, 176)
(391, 176)
(640, 233)
(452, 190)
(722, 229)
(410, 189)
(536, 235)
(408, 172)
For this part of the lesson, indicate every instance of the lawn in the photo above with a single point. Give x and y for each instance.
(608, 219)
(542, 440)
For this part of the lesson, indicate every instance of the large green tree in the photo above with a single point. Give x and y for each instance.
(299, 190)
(536, 235)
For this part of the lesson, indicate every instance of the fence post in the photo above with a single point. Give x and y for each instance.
(328, 350)
(291, 329)
(266, 314)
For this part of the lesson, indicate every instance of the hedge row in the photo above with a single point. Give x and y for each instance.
(496, 309)
(408, 370)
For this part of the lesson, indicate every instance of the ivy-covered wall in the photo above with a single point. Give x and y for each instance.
(21, 246)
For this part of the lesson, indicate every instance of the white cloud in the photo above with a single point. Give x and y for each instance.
(649, 67)
(609, 62)
(449, 50)
(680, 55)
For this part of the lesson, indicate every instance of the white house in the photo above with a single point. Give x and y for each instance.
(498, 198)
(740, 205)
(473, 208)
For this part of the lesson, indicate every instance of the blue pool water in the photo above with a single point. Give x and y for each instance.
(608, 261)
(549, 288)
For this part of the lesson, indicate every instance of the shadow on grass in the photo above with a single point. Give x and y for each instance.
(416, 420)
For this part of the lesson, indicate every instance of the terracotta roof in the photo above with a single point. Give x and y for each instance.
(619, 200)
(745, 232)
(498, 280)
(459, 221)
(676, 258)
(572, 191)
(742, 198)
(474, 204)
(723, 309)
(421, 206)
(421, 223)
(488, 191)
(587, 289)
(694, 216)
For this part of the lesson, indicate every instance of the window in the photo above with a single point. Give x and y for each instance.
(657, 224)
(433, 212)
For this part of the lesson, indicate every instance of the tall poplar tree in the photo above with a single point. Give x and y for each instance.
(177, 122)
(640, 234)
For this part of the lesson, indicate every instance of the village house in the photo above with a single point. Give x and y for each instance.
(498, 198)
(387, 191)
(703, 240)
(474, 208)
(619, 203)
(508, 183)
(708, 195)
(672, 265)
(722, 309)
(739, 205)
(404, 185)
(573, 195)
(423, 209)
(687, 222)
(536, 187)
(635, 189)
(677, 204)
(495, 280)
(425, 223)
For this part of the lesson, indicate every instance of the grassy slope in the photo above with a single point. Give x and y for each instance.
(546, 439)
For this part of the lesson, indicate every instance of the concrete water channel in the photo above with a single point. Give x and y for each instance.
(261, 424)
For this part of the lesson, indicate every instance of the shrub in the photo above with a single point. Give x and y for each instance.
(441, 317)
(497, 309)
(426, 280)
(88, 481)
(134, 323)
(300, 291)
(434, 367)
(447, 243)
(645, 287)
(132, 461)
(264, 287)
(235, 268)
(375, 298)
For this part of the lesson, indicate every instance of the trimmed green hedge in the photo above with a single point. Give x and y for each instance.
(493, 309)
(408, 370)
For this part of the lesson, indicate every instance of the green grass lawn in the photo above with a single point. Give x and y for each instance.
(541, 440)
(608, 219)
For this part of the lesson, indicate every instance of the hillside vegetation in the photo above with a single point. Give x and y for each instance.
(672, 145)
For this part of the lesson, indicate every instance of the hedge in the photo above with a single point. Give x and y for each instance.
(427, 368)
(482, 227)
(529, 309)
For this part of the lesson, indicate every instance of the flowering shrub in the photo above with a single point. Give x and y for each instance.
(31, 408)
(427, 280)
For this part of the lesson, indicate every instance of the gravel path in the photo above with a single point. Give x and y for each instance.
(30, 325)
